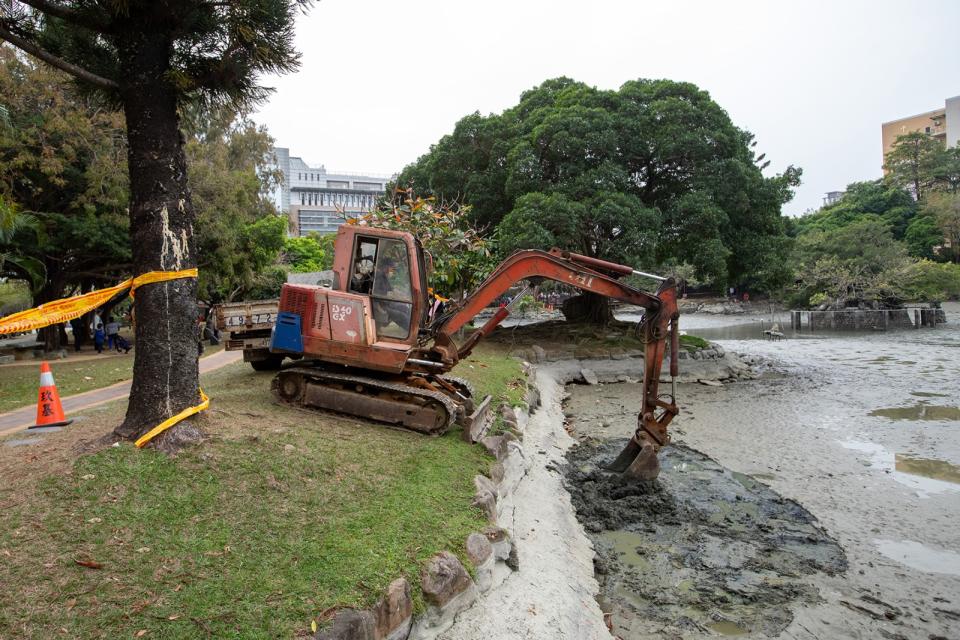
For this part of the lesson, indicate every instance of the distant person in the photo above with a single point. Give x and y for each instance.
(112, 329)
(98, 336)
(79, 331)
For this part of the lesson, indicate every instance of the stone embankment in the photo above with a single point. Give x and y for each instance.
(447, 586)
(533, 573)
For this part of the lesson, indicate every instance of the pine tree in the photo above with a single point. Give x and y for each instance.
(152, 58)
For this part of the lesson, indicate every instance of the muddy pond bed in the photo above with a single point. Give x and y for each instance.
(701, 551)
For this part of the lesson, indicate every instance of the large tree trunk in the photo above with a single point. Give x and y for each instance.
(588, 308)
(51, 336)
(165, 368)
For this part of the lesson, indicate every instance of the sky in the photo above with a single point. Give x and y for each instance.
(382, 80)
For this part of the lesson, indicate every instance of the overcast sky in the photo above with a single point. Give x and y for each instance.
(382, 80)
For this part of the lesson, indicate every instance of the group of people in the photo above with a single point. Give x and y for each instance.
(103, 334)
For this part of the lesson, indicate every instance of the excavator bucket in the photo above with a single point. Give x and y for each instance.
(638, 462)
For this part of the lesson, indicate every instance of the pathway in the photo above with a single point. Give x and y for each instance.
(20, 419)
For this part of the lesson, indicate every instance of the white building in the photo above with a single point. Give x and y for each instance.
(318, 201)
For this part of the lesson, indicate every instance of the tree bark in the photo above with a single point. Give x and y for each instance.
(165, 369)
(588, 308)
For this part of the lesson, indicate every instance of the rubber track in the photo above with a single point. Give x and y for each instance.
(314, 374)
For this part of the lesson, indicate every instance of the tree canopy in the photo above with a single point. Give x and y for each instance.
(650, 173)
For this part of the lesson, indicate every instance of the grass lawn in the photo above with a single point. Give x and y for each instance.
(279, 516)
(19, 382)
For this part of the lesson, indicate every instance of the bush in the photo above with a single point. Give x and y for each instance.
(927, 281)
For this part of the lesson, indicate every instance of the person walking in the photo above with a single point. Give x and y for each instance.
(112, 329)
(98, 336)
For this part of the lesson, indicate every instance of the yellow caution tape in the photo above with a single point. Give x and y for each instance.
(169, 422)
(69, 308)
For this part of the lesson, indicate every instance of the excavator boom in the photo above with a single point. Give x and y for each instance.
(368, 349)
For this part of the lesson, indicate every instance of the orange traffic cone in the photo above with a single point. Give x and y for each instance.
(49, 409)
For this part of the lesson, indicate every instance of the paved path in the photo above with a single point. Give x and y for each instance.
(22, 418)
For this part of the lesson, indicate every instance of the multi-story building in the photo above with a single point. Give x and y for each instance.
(833, 197)
(941, 123)
(315, 200)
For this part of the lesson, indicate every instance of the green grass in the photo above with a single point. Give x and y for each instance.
(281, 515)
(20, 382)
(494, 373)
(693, 343)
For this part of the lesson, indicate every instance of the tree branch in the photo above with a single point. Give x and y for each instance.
(54, 61)
(67, 14)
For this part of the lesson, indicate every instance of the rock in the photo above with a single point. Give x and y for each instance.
(497, 472)
(485, 497)
(618, 355)
(539, 353)
(589, 376)
(289, 448)
(622, 378)
(533, 397)
(443, 578)
(711, 383)
(7, 359)
(720, 350)
(349, 624)
(506, 412)
(394, 612)
(479, 548)
(695, 355)
(496, 445)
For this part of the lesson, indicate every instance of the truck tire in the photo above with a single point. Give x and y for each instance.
(271, 363)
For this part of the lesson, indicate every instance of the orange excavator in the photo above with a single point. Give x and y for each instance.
(371, 345)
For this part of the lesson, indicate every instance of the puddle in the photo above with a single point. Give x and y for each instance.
(727, 628)
(924, 475)
(919, 412)
(927, 467)
(625, 545)
(918, 556)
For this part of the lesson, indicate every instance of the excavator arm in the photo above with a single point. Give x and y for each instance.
(638, 459)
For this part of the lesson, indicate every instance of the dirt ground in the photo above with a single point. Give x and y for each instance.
(850, 442)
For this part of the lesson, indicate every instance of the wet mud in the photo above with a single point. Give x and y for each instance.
(701, 551)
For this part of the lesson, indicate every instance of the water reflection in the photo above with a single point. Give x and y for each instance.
(919, 411)
(924, 475)
(918, 556)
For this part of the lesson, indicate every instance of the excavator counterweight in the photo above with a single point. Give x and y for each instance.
(370, 345)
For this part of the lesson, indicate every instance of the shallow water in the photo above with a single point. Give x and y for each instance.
(864, 431)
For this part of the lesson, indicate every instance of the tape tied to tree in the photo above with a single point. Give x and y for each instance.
(69, 308)
(172, 420)
(66, 309)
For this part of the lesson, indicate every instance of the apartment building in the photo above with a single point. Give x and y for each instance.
(943, 123)
(318, 201)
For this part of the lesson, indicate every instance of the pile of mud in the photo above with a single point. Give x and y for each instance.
(701, 551)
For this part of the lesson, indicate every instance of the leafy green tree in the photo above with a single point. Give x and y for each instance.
(892, 204)
(944, 208)
(851, 264)
(229, 161)
(63, 184)
(911, 160)
(651, 173)
(154, 57)
(923, 236)
(309, 253)
(460, 257)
